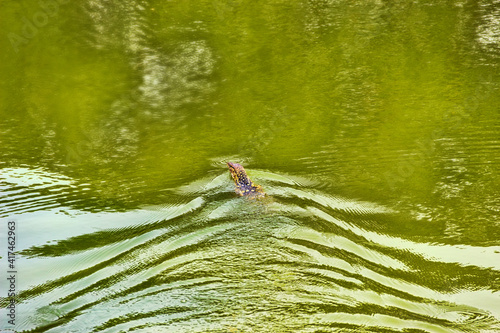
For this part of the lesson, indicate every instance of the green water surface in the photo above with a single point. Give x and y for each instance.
(374, 127)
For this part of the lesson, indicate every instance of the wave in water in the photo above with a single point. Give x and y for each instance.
(301, 260)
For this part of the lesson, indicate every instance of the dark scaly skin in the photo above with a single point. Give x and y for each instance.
(244, 186)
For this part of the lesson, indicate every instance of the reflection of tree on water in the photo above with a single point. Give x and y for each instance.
(168, 77)
(488, 33)
(119, 87)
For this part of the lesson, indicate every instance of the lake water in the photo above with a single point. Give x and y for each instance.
(373, 127)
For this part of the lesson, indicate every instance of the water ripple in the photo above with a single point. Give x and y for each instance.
(301, 260)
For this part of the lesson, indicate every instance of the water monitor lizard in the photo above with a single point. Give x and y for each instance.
(244, 186)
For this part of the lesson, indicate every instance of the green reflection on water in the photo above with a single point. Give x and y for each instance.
(394, 104)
